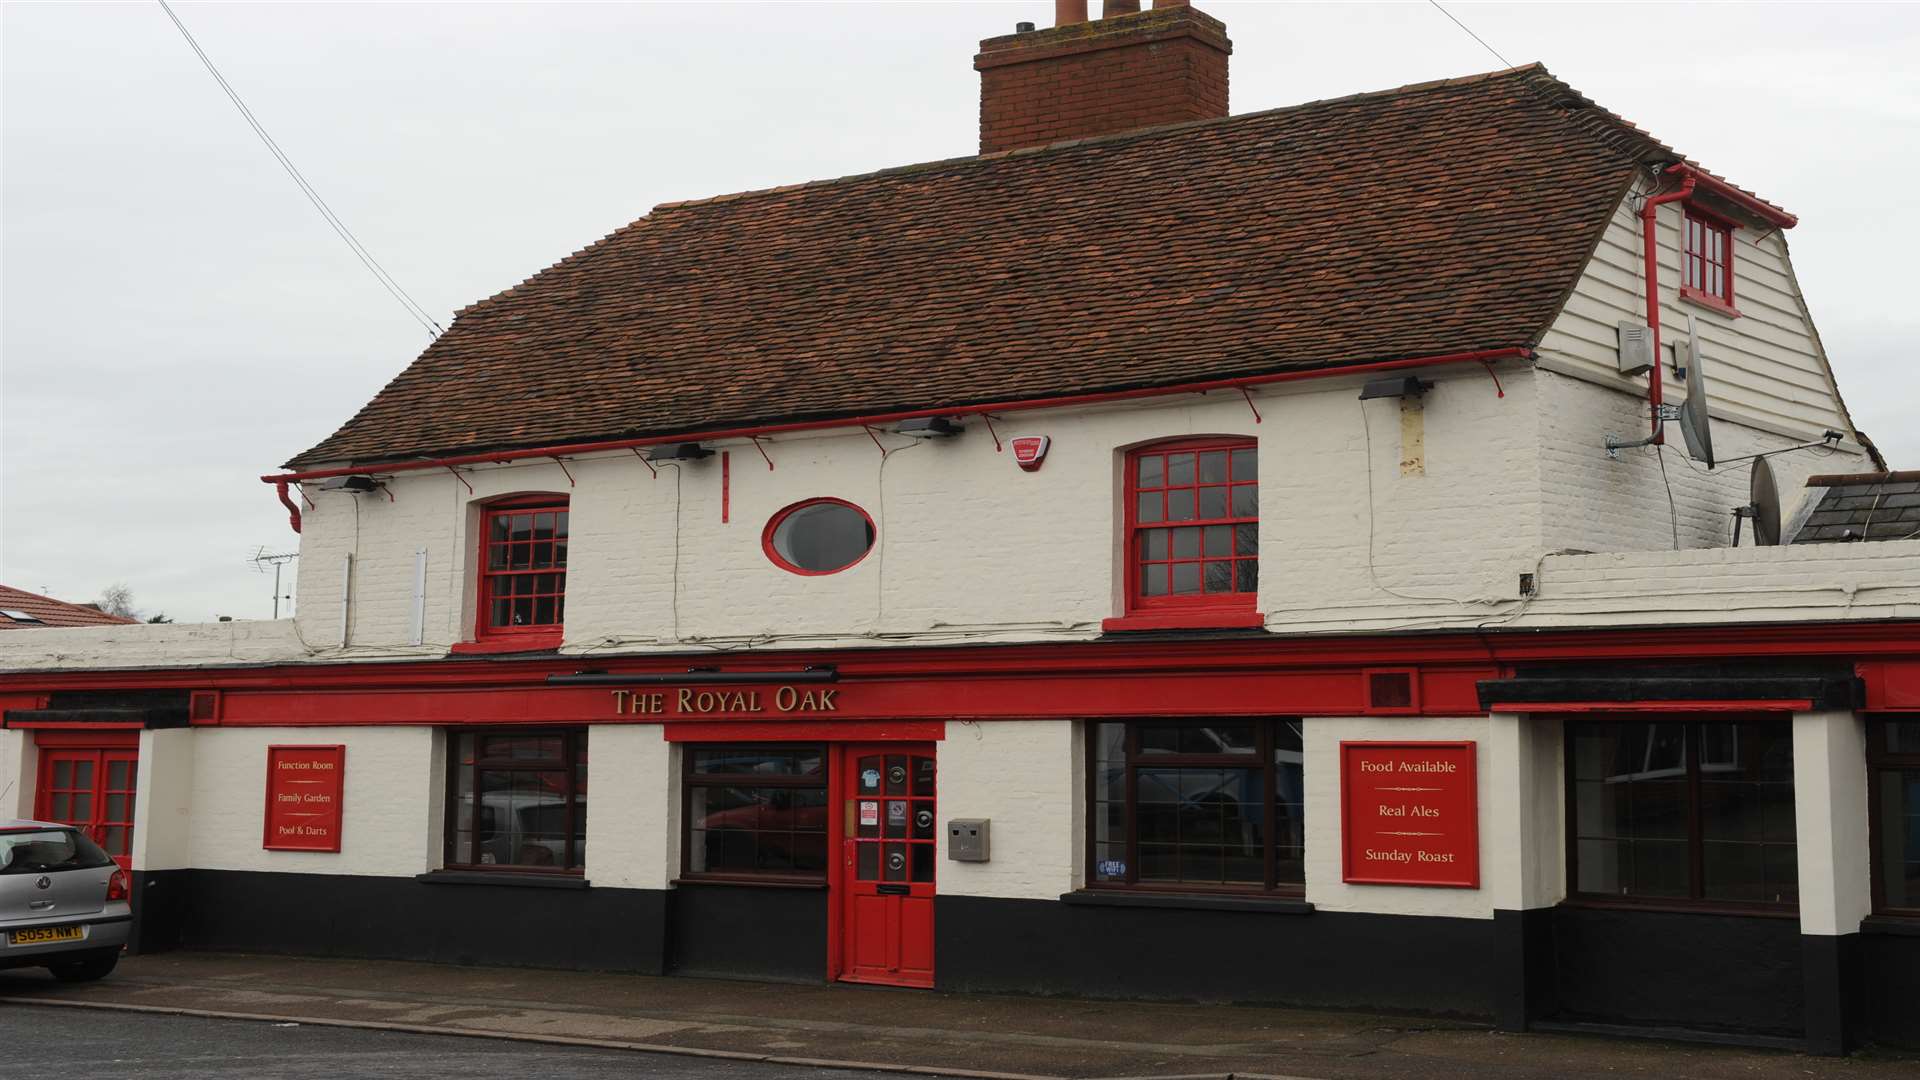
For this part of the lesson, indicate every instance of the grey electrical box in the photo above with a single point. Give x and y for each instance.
(967, 839)
(1636, 348)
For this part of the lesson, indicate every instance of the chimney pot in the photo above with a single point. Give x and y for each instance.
(1023, 28)
(1068, 12)
(1110, 8)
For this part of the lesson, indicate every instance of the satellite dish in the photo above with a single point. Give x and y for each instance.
(1763, 506)
(1693, 413)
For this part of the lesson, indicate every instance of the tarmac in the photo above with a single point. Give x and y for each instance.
(993, 1037)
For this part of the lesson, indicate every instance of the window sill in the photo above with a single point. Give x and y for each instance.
(1708, 301)
(1272, 905)
(518, 643)
(1185, 620)
(487, 877)
(1891, 925)
(1682, 907)
(751, 882)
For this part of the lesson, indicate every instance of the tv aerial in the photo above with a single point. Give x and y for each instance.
(261, 559)
(1763, 506)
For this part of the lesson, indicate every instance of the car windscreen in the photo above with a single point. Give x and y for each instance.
(36, 851)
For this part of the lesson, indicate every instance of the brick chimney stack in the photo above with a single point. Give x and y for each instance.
(1128, 69)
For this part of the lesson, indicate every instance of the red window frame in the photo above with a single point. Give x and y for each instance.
(468, 753)
(1234, 606)
(1706, 258)
(762, 821)
(498, 583)
(1890, 831)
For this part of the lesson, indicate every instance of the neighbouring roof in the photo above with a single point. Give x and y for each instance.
(40, 611)
(1437, 218)
(1862, 506)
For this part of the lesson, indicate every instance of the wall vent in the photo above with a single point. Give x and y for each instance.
(1636, 348)
(1392, 690)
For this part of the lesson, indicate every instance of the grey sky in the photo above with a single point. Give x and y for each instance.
(175, 320)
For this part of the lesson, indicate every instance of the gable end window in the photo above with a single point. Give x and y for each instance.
(1192, 544)
(523, 571)
(1706, 258)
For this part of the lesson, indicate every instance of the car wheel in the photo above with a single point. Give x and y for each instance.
(87, 968)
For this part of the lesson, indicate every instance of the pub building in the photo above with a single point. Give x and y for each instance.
(1168, 554)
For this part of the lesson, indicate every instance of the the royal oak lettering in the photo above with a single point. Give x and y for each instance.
(688, 701)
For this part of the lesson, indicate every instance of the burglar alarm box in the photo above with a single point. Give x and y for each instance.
(967, 839)
(1636, 347)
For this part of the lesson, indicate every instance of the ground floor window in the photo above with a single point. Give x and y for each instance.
(1893, 757)
(517, 800)
(1196, 804)
(1683, 811)
(756, 811)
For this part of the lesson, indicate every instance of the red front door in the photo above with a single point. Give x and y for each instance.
(887, 864)
(92, 788)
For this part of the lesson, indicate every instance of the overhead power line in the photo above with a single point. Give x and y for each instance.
(339, 227)
(1436, 6)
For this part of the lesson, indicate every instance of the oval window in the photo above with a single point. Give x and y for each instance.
(819, 536)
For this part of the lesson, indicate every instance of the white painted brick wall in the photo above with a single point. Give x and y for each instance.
(1028, 778)
(19, 773)
(163, 800)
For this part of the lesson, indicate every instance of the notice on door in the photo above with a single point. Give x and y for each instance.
(1409, 814)
(303, 797)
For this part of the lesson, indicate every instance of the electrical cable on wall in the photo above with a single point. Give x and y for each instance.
(387, 281)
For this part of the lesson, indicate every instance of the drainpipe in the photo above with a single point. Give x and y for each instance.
(1649, 235)
(293, 512)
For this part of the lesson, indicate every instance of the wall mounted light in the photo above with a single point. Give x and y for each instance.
(686, 451)
(1403, 387)
(355, 484)
(928, 427)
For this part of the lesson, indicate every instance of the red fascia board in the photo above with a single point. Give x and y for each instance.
(1720, 189)
(1482, 356)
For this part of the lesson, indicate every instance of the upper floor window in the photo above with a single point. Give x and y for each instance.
(523, 568)
(1893, 760)
(1193, 526)
(818, 536)
(1706, 260)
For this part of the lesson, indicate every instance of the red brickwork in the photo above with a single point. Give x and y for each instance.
(1099, 78)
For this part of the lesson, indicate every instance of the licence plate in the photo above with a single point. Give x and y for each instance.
(44, 934)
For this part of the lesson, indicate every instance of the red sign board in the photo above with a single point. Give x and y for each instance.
(1409, 814)
(303, 797)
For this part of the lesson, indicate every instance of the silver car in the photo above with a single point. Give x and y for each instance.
(63, 902)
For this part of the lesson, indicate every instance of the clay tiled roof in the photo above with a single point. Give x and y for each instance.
(46, 611)
(1432, 219)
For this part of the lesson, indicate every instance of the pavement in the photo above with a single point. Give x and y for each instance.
(874, 1028)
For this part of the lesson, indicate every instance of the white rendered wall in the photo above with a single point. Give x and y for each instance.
(1322, 737)
(633, 807)
(1525, 811)
(392, 800)
(1028, 778)
(1830, 821)
(19, 773)
(163, 800)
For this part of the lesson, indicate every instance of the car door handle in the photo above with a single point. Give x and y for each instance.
(893, 890)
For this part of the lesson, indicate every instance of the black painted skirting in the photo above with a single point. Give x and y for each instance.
(389, 918)
(1389, 963)
(747, 932)
(1889, 966)
(1712, 972)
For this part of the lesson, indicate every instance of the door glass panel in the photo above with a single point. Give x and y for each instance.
(82, 806)
(923, 862)
(923, 821)
(116, 808)
(83, 774)
(867, 862)
(896, 818)
(923, 776)
(869, 778)
(118, 775)
(63, 774)
(896, 862)
(897, 775)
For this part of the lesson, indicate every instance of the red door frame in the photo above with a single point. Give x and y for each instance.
(103, 748)
(842, 884)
